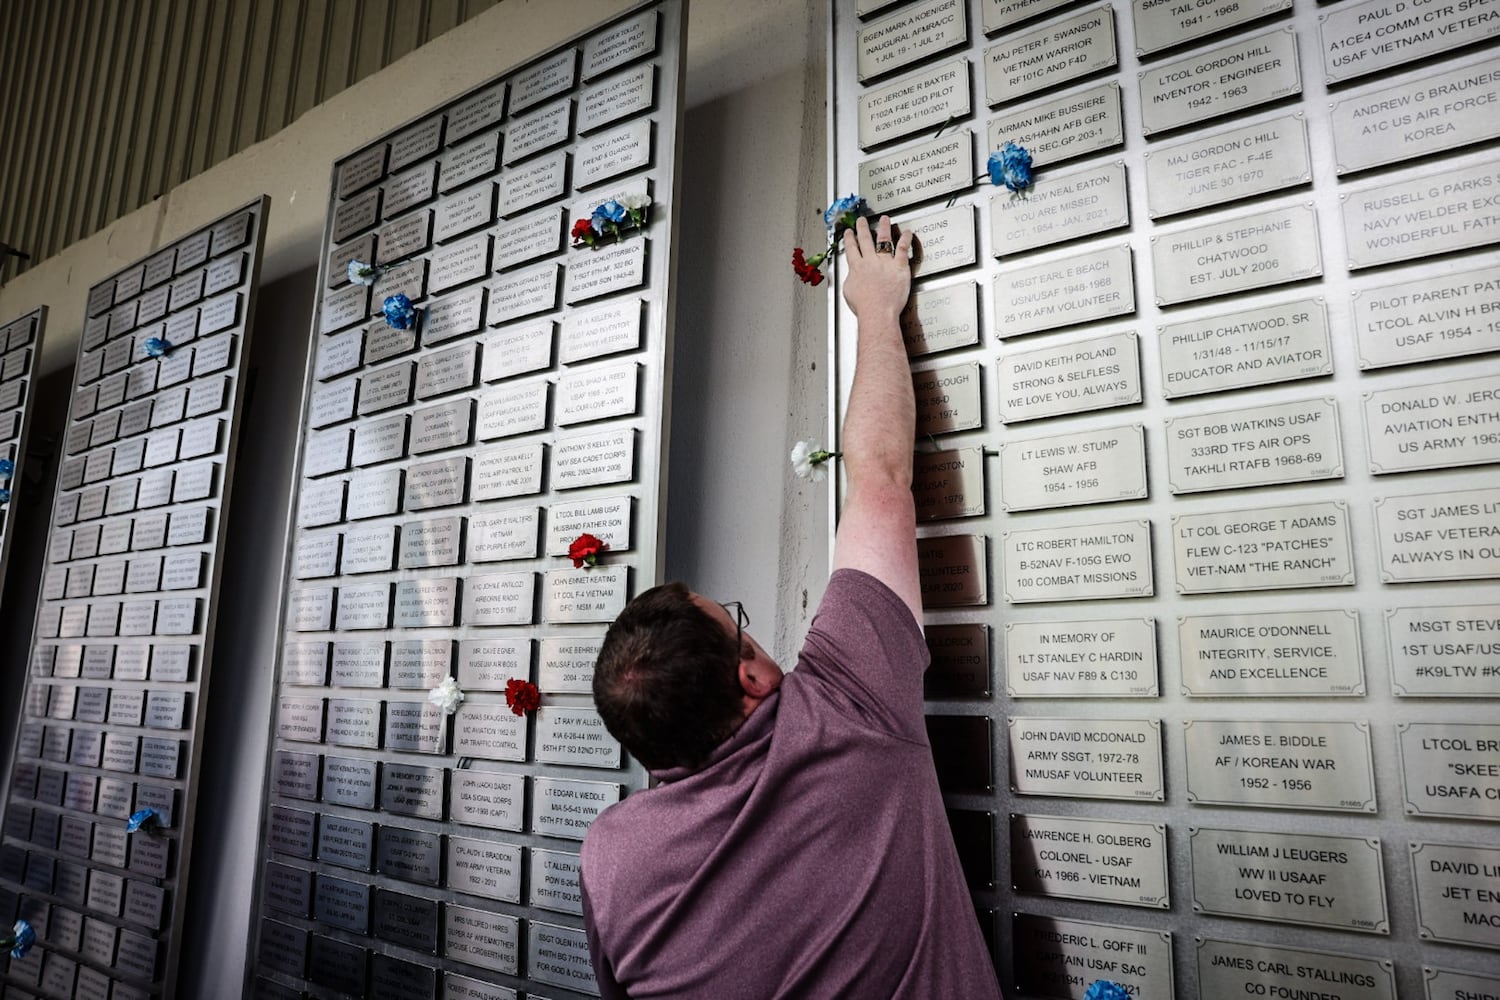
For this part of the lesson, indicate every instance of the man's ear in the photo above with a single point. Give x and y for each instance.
(756, 680)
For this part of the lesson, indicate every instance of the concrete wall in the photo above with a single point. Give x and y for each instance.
(749, 374)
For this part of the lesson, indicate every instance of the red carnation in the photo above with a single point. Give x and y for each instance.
(522, 696)
(586, 549)
(583, 231)
(808, 272)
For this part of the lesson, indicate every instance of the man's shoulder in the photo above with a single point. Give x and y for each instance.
(616, 833)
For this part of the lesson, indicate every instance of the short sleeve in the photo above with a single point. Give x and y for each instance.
(867, 649)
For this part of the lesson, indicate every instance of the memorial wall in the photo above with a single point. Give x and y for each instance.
(1209, 514)
(20, 340)
(100, 797)
(486, 385)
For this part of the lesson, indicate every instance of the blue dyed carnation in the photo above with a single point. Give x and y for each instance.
(1011, 167)
(144, 819)
(399, 312)
(7, 468)
(4, 495)
(845, 211)
(156, 347)
(22, 938)
(1103, 989)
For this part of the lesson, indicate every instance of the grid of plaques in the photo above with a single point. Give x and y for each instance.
(120, 657)
(20, 345)
(1208, 423)
(445, 470)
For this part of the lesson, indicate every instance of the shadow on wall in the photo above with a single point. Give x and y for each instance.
(236, 729)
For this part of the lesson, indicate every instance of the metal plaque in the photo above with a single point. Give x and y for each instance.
(907, 36)
(296, 775)
(518, 241)
(426, 603)
(1290, 879)
(1064, 292)
(608, 518)
(920, 172)
(960, 661)
(410, 855)
(1452, 984)
(594, 460)
(1228, 165)
(1443, 652)
(456, 987)
(610, 154)
(1439, 425)
(428, 485)
(1063, 128)
(941, 240)
(1275, 343)
(560, 955)
(343, 904)
(597, 393)
(574, 736)
(1368, 37)
(490, 799)
(1086, 758)
(561, 808)
(484, 939)
(620, 96)
(1450, 769)
(410, 921)
(339, 966)
(1084, 563)
(489, 664)
(484, 868)
(620, 44)
(1237, 968)
(1266, 548)
(1242, 74)
(349, 782)
(591, 594)
(1160, 24)
(1280, 765)
(1232, 449)
(1438, 536)
(1069, 470)
(508, 472)
(292, 831)
(396, 979)
(554, 880)
(1434, 214)
(917, 103)
(1081, 659)
(1059, 958)
(499, 599)
(948, 399)
(1085, 375)
(1277, 654)
(408, 790)
(415, 727)
(1097, 860)
(606, 272)
(523, 293)
(949, 484)
(1052, 54)
(1250, 251)
(953, 571)
(1418, 117)
(1084, 203)
(941, 319)
(1425, 320)
(1455, 898)
(542, 80)
(489, 731)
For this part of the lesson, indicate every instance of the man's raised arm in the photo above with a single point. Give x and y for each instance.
(877, 530)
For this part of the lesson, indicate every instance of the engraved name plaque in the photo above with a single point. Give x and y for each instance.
(1051, 955)
(1097, 860)
(1086, 758)
(478, 937)
(1275, 343)
(484, 868)
(1242, 74)
(1083, 563)
(917, 173)
(1453, 210)
(908, 35)
(490, 799)
(1083, 203)
(942, 240)
(1160, 25)
(941, 319)
(567, 663)
(1451, 984)
(1454, 893)
(1251, 251)
(1236, 968)
(1232, 449)
(947, 399)
(565, 809)
(1438, 536)
(1450, 769)
(1367, 37)
(1044, 57)
(1290, 879)
(1081, 659)
(915, 103)
(1415, 321)
(1266, 548)
(1068, 470)
(1063, 128)
(1443, 652)
(1436, 426)
(1417, 117)
(1280, 765)
(1088, 286)
(1085, 375)
(949, 483)
(574, 736)
(953, 571)
(1227, 166)
(1277, 654)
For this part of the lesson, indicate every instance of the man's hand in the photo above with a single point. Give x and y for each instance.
(879, 281)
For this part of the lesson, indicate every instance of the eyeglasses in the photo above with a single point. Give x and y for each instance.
(741, 620)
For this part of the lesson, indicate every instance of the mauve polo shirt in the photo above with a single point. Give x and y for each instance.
(810, 857)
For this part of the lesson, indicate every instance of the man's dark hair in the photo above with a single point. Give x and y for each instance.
(667, 680)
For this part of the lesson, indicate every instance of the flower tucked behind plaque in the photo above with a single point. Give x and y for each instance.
(586, 549)
(522, 696)
(1010, 166)
(612, 221)
(841, 215)
(809, 459)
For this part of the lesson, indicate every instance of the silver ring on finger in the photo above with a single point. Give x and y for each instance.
(886, 246)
